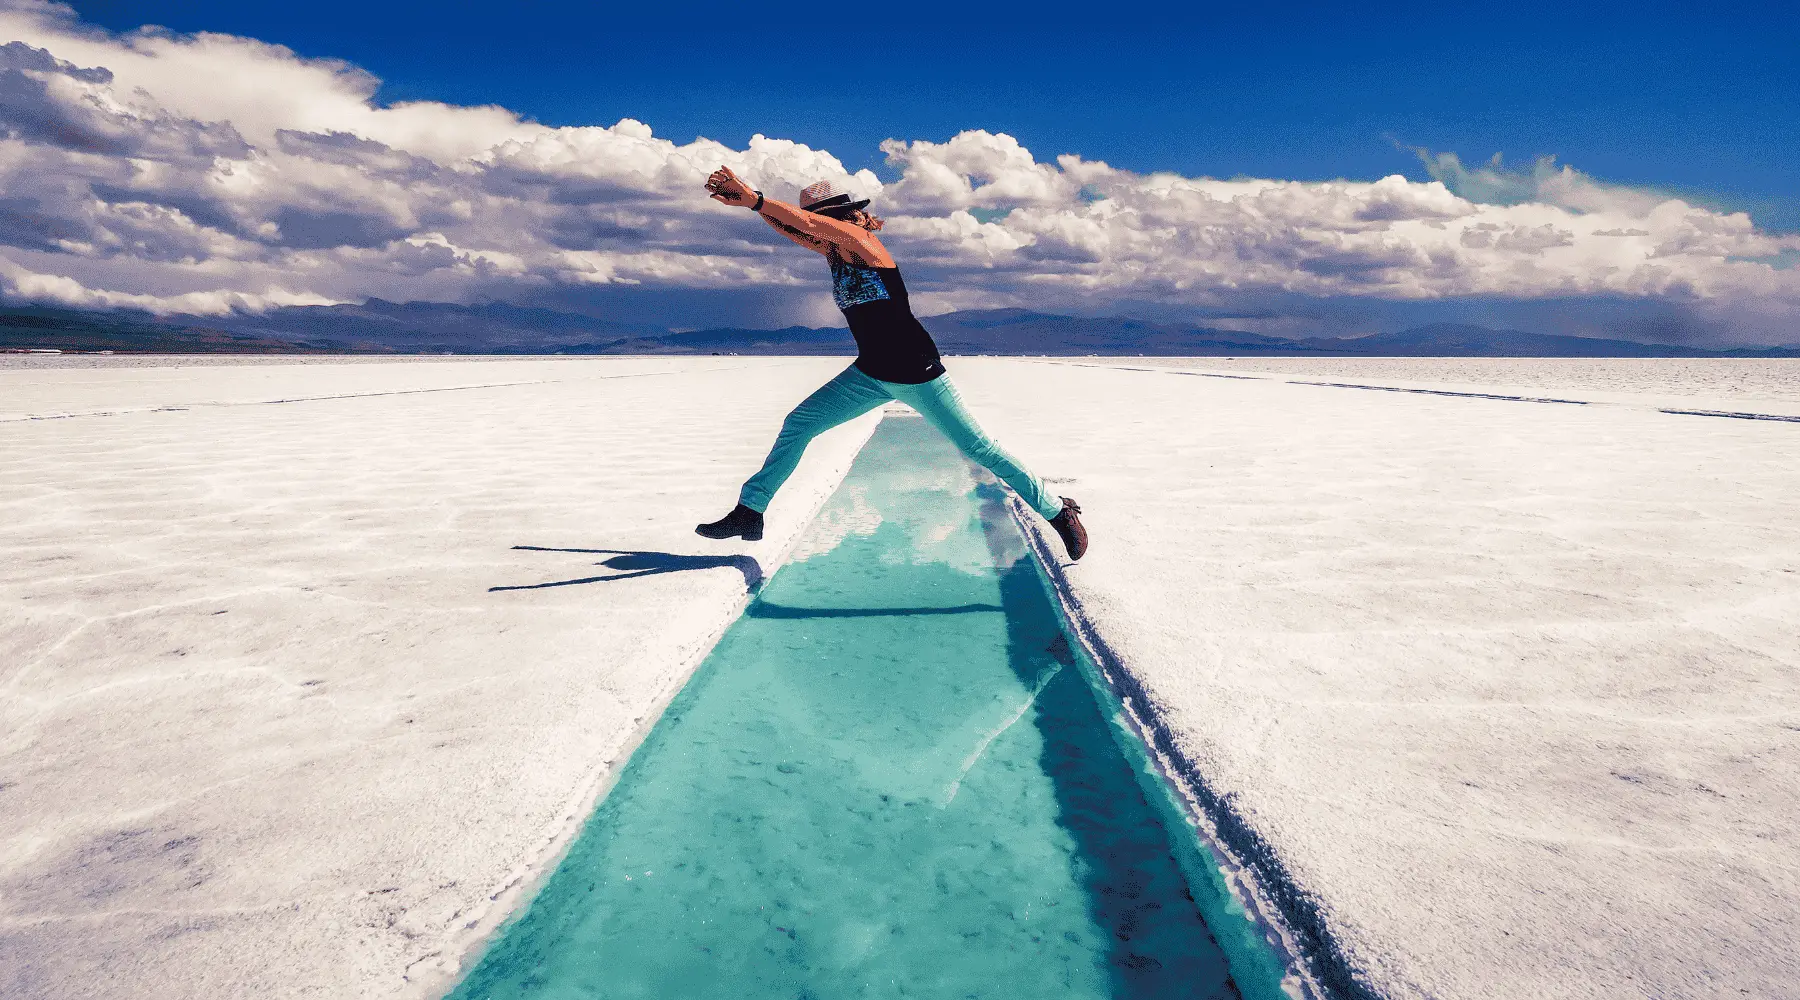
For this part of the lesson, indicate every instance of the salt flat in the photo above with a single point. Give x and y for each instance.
(50, 387)
(1509, 691)
(1770, 386)
(291, 701)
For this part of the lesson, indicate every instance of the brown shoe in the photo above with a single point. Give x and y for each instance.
(1068, 528)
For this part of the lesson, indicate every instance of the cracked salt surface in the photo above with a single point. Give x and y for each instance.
(1401, 644)
(392, 699)
(882, 782)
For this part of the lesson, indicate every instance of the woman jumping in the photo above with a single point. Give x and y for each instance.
(895, 360)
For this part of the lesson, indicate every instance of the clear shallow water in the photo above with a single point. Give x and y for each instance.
(889, 779)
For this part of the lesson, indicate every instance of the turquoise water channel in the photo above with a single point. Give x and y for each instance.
(889, 779)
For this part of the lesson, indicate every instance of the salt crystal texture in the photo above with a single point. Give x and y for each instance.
(1508, 692)
(265, 728)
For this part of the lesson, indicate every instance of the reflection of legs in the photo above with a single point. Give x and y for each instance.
(939, 402)
(846, 397)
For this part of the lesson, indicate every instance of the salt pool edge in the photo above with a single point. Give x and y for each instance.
(508, 899)
(1271, 954)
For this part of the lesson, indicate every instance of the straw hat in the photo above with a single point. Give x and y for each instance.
(826, 200)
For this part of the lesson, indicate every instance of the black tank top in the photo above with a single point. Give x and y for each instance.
(891, 345)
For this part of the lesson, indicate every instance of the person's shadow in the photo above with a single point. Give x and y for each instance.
(632, 564)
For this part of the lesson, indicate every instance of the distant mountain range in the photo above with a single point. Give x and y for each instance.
(379, 327)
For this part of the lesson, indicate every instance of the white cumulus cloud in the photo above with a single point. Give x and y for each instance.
(207, 173)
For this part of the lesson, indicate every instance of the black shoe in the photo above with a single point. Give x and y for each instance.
(1068, 528)
(741, 521)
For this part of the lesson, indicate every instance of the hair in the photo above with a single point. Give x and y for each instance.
(850, 215)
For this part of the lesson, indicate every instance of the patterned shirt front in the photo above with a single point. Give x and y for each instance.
(852, 285)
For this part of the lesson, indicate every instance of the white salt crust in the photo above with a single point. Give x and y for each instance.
(1501, 698)
(265, 730)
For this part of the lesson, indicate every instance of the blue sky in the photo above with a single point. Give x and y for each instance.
(1273, 171)
(1702, 100)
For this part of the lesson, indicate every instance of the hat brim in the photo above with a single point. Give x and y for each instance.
(836, 206)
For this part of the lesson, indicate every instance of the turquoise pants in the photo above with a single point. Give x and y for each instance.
(852, 394)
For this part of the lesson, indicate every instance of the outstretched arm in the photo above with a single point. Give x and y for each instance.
(799, 236)
(819, 233)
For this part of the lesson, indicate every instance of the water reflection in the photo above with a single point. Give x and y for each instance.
(885, 781)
